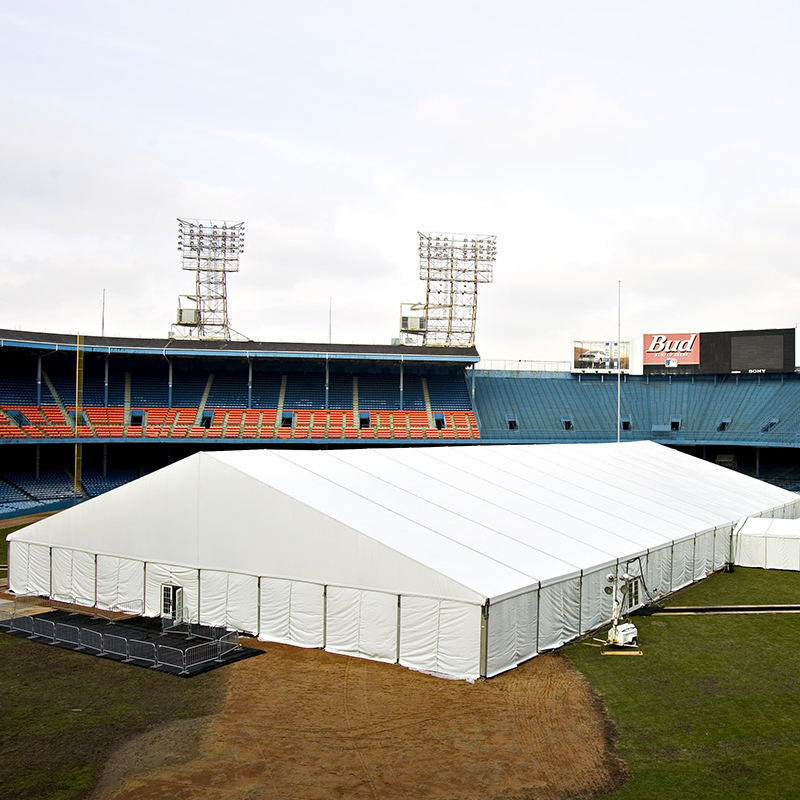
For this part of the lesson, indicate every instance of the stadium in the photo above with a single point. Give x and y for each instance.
(397, 503)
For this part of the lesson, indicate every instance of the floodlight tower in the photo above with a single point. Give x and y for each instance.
(210, 249)
(452, 265)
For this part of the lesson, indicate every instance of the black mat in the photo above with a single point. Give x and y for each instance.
(141, 629)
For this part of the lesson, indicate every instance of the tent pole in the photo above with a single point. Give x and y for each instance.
(324, 616)
(397, 651)
(484, 638)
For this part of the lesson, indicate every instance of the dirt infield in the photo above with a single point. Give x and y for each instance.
(308, 724)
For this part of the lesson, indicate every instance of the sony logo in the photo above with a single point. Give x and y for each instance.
(756, 370)
(660, 344)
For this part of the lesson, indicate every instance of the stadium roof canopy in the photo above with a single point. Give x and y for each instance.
(459, 561)
(242, 349)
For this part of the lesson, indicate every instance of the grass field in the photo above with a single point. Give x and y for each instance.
(64, 714)
(712, 709)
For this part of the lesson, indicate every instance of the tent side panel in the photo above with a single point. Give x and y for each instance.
(229, 600)
(459, 652)
(378, 626)
(292, 612)
(703, 554)
(596, 605)
(559, 610)
(659, 571)
(512, 632)
(419, 632)
(242, 603)
(722, 546)
(73, 576)
(18, 566)
(782, 552)
(501, 653)
(682, 563)
(361, 623)
(120, 584)
(213, 597)
(39, 569)
(751, 550)
(188, 579)
(440, 636)
(307, 617)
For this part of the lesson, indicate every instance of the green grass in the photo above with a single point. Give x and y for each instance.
(64, 714)
(712, 709)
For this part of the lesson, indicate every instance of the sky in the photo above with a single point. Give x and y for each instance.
(649, 143)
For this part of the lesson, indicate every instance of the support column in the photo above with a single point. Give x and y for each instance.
(401, 384)
(484, 639)
(169, 386)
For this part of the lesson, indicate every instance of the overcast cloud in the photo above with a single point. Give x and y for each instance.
(649, 142)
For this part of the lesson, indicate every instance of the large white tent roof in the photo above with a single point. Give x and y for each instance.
(467, 523)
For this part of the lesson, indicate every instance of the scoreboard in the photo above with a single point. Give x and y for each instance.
(745, 352)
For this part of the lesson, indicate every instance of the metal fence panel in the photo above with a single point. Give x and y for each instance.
(24, 624)
(44, 628)
(68, 633)
(142, 651)
(117, 645)
(91, 639)
(228, 643)
(200, 654)
(204, 631)
(170, 656)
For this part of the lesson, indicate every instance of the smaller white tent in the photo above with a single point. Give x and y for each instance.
(463, 561)
(768, 543)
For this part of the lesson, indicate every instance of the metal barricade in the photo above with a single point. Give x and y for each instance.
(142, 651)
(204, 631)
(23, 624)
(44, 628)
(200, 654)
(93, 640)
(170, 657)
(68, 633)
(116, 645)
(228, 643)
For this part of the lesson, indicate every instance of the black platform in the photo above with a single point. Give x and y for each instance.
(145, 630)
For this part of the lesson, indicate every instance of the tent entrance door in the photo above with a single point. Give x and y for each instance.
(172, 603)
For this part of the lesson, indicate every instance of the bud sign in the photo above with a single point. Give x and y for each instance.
(661, 348)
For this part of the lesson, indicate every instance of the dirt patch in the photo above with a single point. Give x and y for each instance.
(305, 723)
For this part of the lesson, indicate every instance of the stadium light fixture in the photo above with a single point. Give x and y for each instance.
(210, 249)
(452, 265)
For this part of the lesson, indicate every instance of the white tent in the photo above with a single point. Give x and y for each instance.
(768, 543)
(462, 561)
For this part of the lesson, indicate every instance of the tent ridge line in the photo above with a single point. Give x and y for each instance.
(360, 532)
(524, 516)
(701, 508)
(415, 522)
(482, 525)
(606, 483)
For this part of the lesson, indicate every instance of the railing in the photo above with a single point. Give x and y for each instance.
(129, 650)
(228, 643)
(524, 365)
